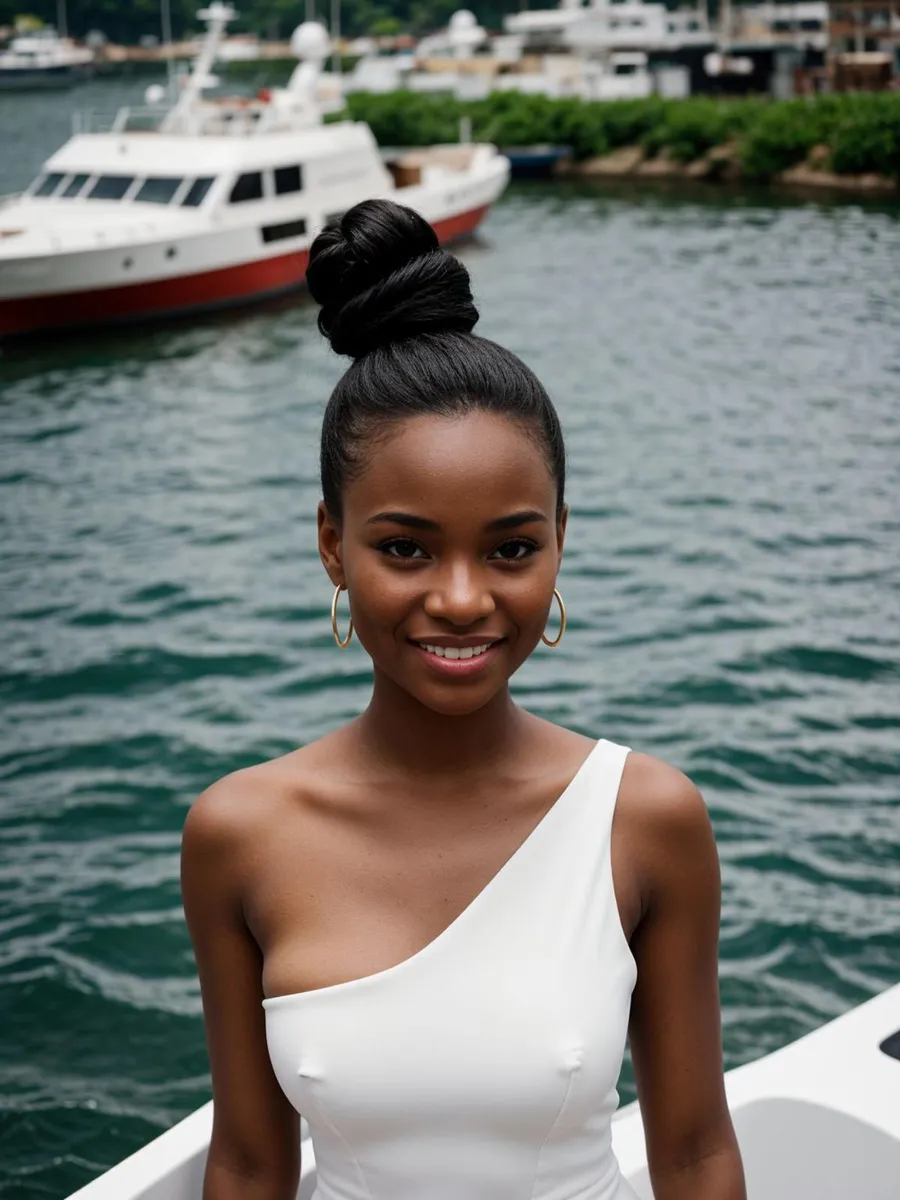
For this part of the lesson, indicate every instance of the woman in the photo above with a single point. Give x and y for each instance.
(430, 930)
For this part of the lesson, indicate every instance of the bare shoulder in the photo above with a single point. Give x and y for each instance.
(223, 814)
(667, 824)
(222, 820)
(661, 795)
(255, 1134)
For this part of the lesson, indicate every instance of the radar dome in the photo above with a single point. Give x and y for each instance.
(310, 41)
(463, 19)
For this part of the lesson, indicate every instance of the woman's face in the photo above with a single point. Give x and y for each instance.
(449, 548)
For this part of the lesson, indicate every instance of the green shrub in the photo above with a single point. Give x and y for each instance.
(509, 119)
(782, 136)
(407, 119)
(579, 125)
(867, 137)
(861, 131)
(693, 126)
(626, 122)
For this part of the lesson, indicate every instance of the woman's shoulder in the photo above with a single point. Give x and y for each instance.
(252, 797)
(660, 793)
(667, 822)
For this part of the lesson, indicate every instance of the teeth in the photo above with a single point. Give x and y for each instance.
(455, 652)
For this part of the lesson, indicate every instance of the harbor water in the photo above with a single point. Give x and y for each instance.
(727, 369)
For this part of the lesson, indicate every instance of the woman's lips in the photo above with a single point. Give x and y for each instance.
(458, 667)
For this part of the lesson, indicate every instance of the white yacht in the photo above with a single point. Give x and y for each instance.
(627, 25)
(626, 48)
(213, 201)
(605, 50)
(43, 59)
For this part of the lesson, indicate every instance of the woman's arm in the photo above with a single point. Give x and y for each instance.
(254, 1152)
(675, 1027)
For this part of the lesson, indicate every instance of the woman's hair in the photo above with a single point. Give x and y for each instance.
(401, 308)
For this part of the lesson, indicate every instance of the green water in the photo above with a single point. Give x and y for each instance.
(728, 373)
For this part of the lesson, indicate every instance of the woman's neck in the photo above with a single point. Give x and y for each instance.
(401, 731)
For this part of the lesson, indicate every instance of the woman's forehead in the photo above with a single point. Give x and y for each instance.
(441, 462)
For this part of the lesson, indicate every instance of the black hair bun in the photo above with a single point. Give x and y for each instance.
(380, 276)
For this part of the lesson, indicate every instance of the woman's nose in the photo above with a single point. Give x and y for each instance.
(460, 596)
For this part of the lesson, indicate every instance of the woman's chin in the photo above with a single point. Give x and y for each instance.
(452, 698)
(457, 706)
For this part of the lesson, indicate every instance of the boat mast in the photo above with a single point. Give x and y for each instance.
(216, 16)
(166, 23)
(725, 28)
(62, 24)
(335, 35)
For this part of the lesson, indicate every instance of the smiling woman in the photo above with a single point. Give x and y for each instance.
(427, 587)
(430, 930)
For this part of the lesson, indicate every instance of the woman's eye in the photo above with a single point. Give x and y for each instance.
(400, 548)
(516, 549)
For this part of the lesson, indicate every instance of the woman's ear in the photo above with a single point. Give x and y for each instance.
(330, 545)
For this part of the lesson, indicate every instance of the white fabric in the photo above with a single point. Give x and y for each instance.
(484, 1067)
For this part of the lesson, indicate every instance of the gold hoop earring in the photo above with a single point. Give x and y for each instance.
(334, 629)
(562, 622)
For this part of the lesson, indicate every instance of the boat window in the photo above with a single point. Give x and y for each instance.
(247, 187)
(288, 179)
(46, 185)
(158, 189)
(74, 186)
(110, 187)
(287, 229)
(196, 193)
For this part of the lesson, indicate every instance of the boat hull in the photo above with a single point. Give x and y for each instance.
(38, 79)
(535, 162)
(178, 294)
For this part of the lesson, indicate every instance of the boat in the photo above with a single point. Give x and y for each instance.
(589, 58)
(627, 48)
(211, 201)
(43, 59)
(816, 1120)
(535, 162)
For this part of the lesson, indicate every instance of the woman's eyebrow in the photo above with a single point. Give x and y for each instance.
(512, 521)
(401, 518)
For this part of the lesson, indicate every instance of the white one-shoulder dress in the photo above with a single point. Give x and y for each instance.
(485, 1066)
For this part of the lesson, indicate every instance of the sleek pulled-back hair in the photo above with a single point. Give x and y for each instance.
(401, 308)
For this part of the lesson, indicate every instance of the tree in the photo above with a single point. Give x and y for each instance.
(128, 23)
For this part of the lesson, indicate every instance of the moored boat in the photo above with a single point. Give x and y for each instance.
(216, 203)
(816, 1120)
(43, 59)
(535, 162)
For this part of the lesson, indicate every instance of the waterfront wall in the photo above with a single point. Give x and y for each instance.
(846, 142)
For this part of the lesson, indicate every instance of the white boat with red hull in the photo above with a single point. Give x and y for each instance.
(217, 203)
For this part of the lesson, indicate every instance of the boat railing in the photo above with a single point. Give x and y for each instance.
(129, 119)
(236, 117)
